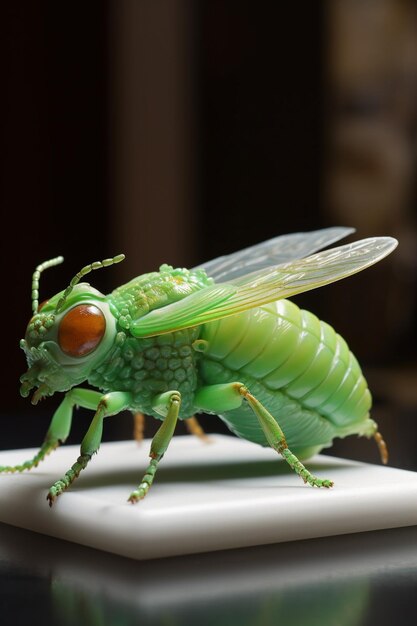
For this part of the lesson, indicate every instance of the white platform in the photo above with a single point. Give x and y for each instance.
(226, 494)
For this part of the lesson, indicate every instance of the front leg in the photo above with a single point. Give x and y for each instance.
(104, 405)
(57, 433)
(167, 404)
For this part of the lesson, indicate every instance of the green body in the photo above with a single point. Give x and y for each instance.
(152, 365)
(176, 342)
(297, 366)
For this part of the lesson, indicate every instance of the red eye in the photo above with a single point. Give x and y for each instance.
(81, 330)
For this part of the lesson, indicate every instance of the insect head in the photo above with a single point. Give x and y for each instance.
(67, 335)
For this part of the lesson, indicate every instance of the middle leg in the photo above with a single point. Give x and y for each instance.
(167, 404)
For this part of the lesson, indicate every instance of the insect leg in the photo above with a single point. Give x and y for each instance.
(138, 426)
(191, 423)
(276, 440)
(382, 447)
(109, 404)
(168, 404)
(193, 426)
(221, 398)
(57, 433)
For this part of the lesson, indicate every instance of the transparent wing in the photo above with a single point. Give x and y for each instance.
(272, 252)
(268, 285)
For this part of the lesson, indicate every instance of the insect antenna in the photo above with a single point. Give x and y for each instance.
(83, 272)
(35, 279)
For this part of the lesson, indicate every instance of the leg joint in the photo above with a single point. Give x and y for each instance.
(175, 397)
(241, 388)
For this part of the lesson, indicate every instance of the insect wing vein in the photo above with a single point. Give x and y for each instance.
(272, 252)
(262, 287)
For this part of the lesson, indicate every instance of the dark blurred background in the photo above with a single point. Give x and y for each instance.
(179, 130)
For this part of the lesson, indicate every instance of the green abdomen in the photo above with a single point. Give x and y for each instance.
(297, 366)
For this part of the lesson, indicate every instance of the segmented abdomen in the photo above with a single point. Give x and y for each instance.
(291, 356)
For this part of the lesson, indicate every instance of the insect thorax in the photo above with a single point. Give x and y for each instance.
(147, 367)
(153, 291)
(153, 365)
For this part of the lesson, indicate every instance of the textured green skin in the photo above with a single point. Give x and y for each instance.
(297, 366)
(152, 365)
(276, 375)
(147, 367)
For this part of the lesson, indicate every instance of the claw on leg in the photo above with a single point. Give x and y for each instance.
(170, 403)
(303, 472)
(229, 396)
(146, 483)
(62, 485)
(277, 441)
(46, 449)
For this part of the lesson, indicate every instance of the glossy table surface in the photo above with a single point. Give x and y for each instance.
(350, 580)
(228, 493)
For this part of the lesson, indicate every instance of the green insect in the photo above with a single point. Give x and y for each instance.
(221, 339)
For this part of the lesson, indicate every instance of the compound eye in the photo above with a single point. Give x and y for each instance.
(81, 330)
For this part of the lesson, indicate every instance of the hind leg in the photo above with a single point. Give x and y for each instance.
(168, 404)
(221, 398)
